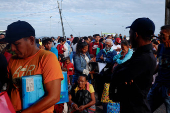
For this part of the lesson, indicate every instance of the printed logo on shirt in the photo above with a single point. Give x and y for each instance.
(95, 46)
(23, 71)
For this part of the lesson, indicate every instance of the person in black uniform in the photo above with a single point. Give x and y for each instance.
(132, 79)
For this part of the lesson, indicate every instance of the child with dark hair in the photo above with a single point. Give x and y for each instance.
(70, 69)
(60, 46)
(59, 59)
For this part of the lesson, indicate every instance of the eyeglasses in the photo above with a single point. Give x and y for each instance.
(108, 45)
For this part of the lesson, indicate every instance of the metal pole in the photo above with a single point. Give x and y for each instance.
(61, 19)
(50, 25)
(167, 12)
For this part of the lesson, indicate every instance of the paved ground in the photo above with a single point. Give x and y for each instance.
(161, 109)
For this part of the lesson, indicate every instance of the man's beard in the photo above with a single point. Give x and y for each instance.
(107, 48)
(133, 43)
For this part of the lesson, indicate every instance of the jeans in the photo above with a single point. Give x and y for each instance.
(157, 96)
(104, 107)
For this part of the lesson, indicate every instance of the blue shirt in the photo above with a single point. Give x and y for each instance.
(127, 57)
(164, 65)
(55, 51)
(108, 56)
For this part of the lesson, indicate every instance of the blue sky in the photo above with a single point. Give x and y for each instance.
(81, 17)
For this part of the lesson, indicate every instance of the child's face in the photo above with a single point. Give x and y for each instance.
(48, 45)
(67, 61)
(155, 55)
(59, 58)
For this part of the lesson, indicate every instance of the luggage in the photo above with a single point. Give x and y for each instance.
(5, 103)
(33, 90)
(113, 107)
(105, 94)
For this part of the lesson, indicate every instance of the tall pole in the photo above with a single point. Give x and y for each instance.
(61, 19)
(167, 12)
(50, 26)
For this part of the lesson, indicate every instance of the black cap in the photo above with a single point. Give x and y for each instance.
(18, 30)
(143, 25)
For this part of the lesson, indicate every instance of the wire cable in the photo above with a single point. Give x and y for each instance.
(69, 24)
(31, 14)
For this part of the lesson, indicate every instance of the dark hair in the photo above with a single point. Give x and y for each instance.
(166, 27)
(91, 38)
(52, 38)
(85, 38)
(101, 40)
(147, 35)
(36, 41)
(108, 36)
(125, 42)
(68, 58)
(40, 39)
(155, 41)
(2, 34)
(75, 40)
(61, 39)
(83, 75)
(46, 40)
(95, 35)
(154, 52)
(80, 45)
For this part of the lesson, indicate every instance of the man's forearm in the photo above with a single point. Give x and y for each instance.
(43, 104)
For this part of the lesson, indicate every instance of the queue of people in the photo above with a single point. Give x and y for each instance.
(123, 85)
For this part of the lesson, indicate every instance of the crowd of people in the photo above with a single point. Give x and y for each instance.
(136, 75)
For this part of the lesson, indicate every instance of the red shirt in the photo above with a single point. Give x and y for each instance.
(61, 64)
(60, 48)
(93, 46)
(70, 65)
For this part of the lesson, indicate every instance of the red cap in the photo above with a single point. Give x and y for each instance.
(118, 40)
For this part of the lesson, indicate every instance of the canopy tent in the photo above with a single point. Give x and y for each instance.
(104, 33)
(2, 31)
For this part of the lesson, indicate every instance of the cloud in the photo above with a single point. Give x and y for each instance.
(83, 16)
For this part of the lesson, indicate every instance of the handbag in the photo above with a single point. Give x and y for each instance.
(113, 107)
(105, 94)
(83, 97)
(5, 103)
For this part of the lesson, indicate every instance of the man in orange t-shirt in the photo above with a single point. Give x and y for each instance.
(30, 60)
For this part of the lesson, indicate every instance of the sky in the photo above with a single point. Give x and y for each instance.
(81, 17)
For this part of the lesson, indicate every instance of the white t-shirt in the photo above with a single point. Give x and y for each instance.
(116, 46)
(66, 53)
(86, 71)
(74, 47)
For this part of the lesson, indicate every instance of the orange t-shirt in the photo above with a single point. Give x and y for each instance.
(43, 62)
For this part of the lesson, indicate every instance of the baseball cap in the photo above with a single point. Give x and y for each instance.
(143, 25)
(18, 30)
(118, 40)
